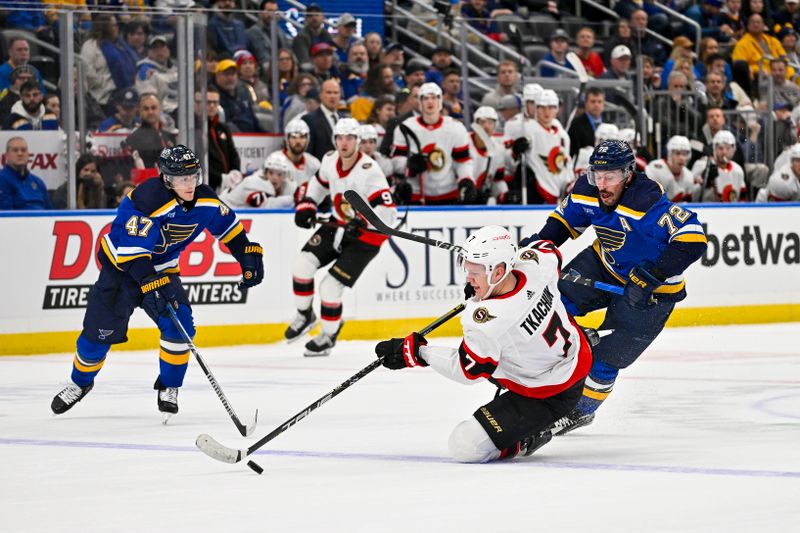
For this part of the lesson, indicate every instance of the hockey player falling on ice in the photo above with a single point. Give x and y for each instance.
(644, 242)
(270, 187)
(518, 335)
(139, 268)
(434, 151)
(676, 180)
(540, 146)
(350, 246)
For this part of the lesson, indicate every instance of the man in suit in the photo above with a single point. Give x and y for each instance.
(322, 121)
(581, 132)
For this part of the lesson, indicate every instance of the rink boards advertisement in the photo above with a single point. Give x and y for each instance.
(750, 273)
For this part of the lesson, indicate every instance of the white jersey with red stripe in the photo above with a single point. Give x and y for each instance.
(783, 185)
(445, 144)
(488, 166)
(678, 188)
(366, 178)
(548, 155)
(728, 186)
(302, 171)
(256, 191)
(523, 340)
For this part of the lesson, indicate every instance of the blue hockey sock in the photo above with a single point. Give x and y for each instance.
(598, 385)
(174, 352)
(89, 359)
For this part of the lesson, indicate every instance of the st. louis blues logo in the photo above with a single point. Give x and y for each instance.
(103, 333)
(172, 234)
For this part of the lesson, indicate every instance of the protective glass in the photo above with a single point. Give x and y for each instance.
(607, 177)
(185, 181)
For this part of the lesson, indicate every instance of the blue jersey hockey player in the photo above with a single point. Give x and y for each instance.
(644, 242)
(139, 268)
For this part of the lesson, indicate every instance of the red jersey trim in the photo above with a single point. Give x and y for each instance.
(521, 281)
(344, 173)
(434, 126)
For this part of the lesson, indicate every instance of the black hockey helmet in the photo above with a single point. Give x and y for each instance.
(179, 161)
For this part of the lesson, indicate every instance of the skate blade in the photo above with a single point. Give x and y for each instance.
(302, 333)
(165, 418)
(323, 353)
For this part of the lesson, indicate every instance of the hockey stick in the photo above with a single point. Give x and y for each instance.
(583, 77)
(217, 451)
(245, 430)
(366, 211)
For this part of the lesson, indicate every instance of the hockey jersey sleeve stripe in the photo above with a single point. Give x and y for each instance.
(164, 209)
(473, 365)
(557, 216)
(375, 199)
(548, 247)
(322, 181)
(207, 202)
(400, 150)
(689, 237)
(233, 230)
(628, 212)
(585, 200)
(461, 153)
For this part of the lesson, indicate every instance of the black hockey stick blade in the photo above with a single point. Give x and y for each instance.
(359, 204)
(209, 446)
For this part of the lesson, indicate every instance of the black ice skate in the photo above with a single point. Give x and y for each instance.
(167, 400)
(571, 422)
(302, 324)
(528, 445)
(322, 344)
(72, 394)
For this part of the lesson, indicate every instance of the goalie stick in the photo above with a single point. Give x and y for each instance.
(360, 205)
(215, 450)
(245, 430)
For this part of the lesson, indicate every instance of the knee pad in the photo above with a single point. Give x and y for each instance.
(469, 443)
(331, 289)
(89, 350)
(305, 265)
(170, 331)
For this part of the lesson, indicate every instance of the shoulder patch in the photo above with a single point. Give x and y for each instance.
(658, 164)
(366, 165)
(482, 316)
(529, 255)
(329, 153)
(785, 176)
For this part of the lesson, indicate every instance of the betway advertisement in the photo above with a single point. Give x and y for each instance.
(50, 264)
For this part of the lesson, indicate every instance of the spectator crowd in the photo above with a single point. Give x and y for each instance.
(718, 107)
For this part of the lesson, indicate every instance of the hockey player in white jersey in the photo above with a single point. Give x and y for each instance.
(369, 146)
(433, 151)
(517, 335)
(721, 178)
(542, 146)
(267, 188)
(302, 165)
(678, 182)
(488, 159)
(784, 184)
(349, 244)
(603, 132)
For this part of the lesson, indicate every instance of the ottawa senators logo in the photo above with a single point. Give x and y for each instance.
(555, 161)
(343, 208)
(482, 316)
(314, 240)
(436, 157)
(529, 255)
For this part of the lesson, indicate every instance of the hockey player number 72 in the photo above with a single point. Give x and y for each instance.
(551, 333)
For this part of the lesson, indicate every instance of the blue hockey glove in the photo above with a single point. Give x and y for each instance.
(524, 243)
(252, 265)
(158, 290)
(640, 287)
(402, 353)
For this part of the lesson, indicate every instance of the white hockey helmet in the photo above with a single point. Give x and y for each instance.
(429, 88)
(794, 151)
(548, 97)
(368, 131)
(606, 132)
(485, 112)
(297, 126)
(628, 135)
(490, 246)
(724, 137)
(276, 162)
(347, 126)
(531, 92)
(678, 143)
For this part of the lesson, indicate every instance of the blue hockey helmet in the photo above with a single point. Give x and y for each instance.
(179, 161)
(611, 154)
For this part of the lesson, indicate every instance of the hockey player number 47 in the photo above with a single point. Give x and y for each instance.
(132, 225)
(551, 334)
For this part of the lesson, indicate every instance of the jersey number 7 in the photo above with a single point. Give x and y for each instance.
(555, 327)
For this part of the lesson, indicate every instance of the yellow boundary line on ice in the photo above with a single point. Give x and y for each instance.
(143, 339)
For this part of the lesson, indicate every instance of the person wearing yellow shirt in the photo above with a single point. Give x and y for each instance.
(757, 48)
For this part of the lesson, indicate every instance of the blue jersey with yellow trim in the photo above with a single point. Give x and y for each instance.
(152, 224)
(637, 231)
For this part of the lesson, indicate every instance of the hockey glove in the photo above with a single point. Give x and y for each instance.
(524, 243)
(252, 265)
(402, 353)
(510, 197)
(520, 146)
(355, 227)
(305, 214)
(159, 290)
(403, 192)
(640, 287)
(416, 164)
(469, 292)
(467, 193)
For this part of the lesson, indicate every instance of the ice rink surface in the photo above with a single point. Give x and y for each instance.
(701, 434)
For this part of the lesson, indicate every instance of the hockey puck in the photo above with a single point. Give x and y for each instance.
(255, 468)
